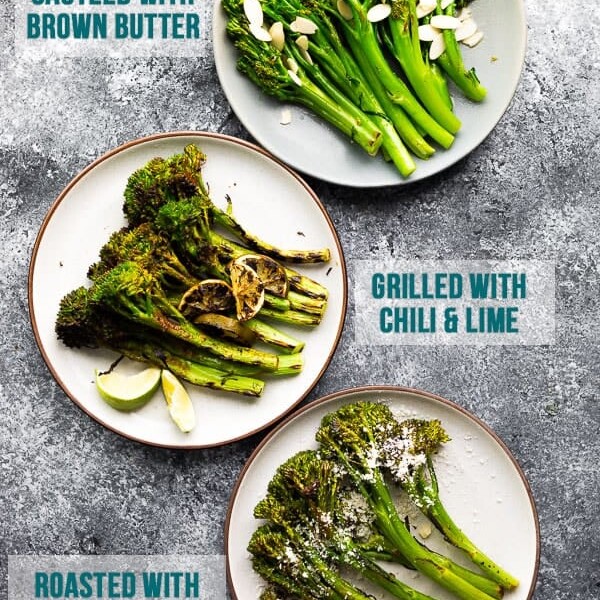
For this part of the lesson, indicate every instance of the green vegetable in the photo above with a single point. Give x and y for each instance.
(134, 293)
(83, 323)
(161, 290)
(330, 512)
(341, 72)
(303, 500)
(452, 63)
(418, 441)
(180, 177)
(404, 28)
(352, 435)
(265, 66)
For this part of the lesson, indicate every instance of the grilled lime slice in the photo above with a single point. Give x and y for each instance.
(248, 290)
(208, 296)
(225, 328)
(178, 401)
(271, 274)
(128, 392)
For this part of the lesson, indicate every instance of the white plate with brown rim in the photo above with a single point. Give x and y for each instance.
(268, 198)
(481, 485)
(314, 147)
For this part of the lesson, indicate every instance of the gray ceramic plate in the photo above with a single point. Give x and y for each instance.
(89, 209)
(315, 148)
(481, 485)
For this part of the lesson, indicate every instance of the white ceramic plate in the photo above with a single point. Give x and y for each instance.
(267, 197)
(481, 485)
(314, 147)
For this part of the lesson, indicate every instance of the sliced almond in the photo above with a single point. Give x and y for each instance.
(379, 12)
(464, 14)
(306, 56)
(473, 40)
(295, 78)
(254, 12)
(466, 30)
(445, 22)
(292, 65)
(286, 116)
(344, 10)
(425, 7)
(427, 33)
(277, 35)
(303, 25)
(260, 33)
(437, 47)
(302, 42)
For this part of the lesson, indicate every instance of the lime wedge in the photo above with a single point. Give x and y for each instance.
(128, 392)
(179, 402)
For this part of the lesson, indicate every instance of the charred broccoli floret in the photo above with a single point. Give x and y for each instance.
(149, 248)
(134, 293)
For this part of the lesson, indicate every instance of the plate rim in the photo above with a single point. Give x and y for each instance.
(148, 139)
(394, 389)
(413, 179)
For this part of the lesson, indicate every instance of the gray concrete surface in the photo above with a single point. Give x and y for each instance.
(530, 191)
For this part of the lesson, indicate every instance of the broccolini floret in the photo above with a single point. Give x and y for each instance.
(134, 293)
(264, 65)
(352, 435)
(408, 456)
(150, 249)
(305, 494)
(82, 322)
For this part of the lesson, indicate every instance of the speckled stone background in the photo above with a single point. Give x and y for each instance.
(530, 191)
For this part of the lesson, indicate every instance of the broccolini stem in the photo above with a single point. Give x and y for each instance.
(291, 317)
(213, 378)
(255, 243)
(452, 62)
(403, 125)
(367, 50)
(305, 285)
(345, 116)
(285, 366)
(300, 283)
(166, 345)
(194, 372)
(298, 301)
(433, 565)
(391, 142)
(407, 50)
(381, 550)
(172, 322)
(357, 559)
(439, 81)
(272, 336)
(289, 364)
(345, 589)
(276, 302)
(456, 537)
